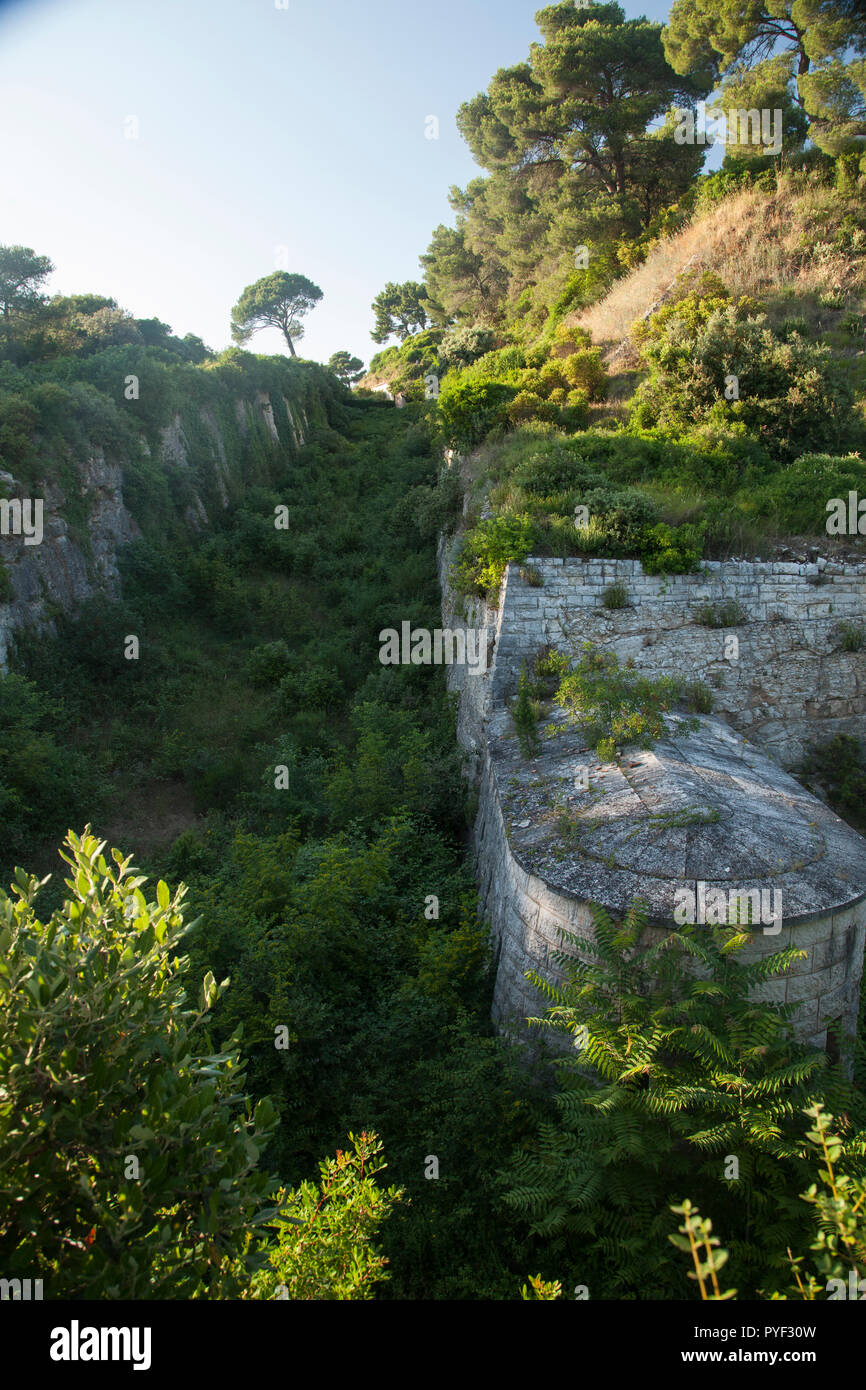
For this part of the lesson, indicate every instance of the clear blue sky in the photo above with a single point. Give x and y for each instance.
(259, 128)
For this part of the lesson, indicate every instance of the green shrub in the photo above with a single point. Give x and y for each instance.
(789, 327)
(575, 414)
(614, 706)
(431, 510)
(615, 596)
(343, 1212)
(45, 780)
(550, 477)
(852, 638)
(729, 613)
(699, 697)
(469, 409)
(18, 453)
(147, 572)
(460, 346)
(269, 663)
(837, 770)
(623, 517)
(528, 405)
(672, 550)
(548, 670)
(489, 547)
(791, 393)
(836, 298)
(121, 1122)
(405, 367)
(500, 364)
(855, 324)
(839, 1226)
(315, 687)
(797, 496)
(525, 716)
(556, 470)
(585, 369)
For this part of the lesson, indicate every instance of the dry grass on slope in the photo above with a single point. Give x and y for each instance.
(785, 244)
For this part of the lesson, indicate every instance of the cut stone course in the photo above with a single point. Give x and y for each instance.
(706, 805)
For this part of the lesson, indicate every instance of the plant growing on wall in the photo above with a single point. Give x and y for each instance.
(489, 548)
(525, 716)
(614, 706)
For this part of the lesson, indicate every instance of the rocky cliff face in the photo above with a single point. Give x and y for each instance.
(64, 569)
(76, 558)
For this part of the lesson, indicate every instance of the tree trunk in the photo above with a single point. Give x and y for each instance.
(291, 346)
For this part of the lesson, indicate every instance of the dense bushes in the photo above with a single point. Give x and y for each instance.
(553, 500)
(836, 769)
(463, 345)
(646, 1110)
(337, 902)
(406, 366)
(509, 386)
(489, 547)
(667, 503)
(715, 362)
(797, 497)
(45, 783)
(130, 1150)
(470, 409)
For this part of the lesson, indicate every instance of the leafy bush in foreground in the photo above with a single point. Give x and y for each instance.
(128, 1150)
(676, 1065)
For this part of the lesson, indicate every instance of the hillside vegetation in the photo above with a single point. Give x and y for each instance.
(676, 350)
(259, 975)
(710, 403)
(798, 242)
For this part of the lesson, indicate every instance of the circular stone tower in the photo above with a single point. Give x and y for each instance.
(701, 822)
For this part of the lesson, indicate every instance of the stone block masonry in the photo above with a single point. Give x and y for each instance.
(790, 683)
(709, 807)
(702, 808)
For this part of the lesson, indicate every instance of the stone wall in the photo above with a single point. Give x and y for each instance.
(790, 683)
(774, 834)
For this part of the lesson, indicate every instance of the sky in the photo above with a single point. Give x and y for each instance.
(168, 153)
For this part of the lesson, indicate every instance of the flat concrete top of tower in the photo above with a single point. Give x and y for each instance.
(703, 806)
